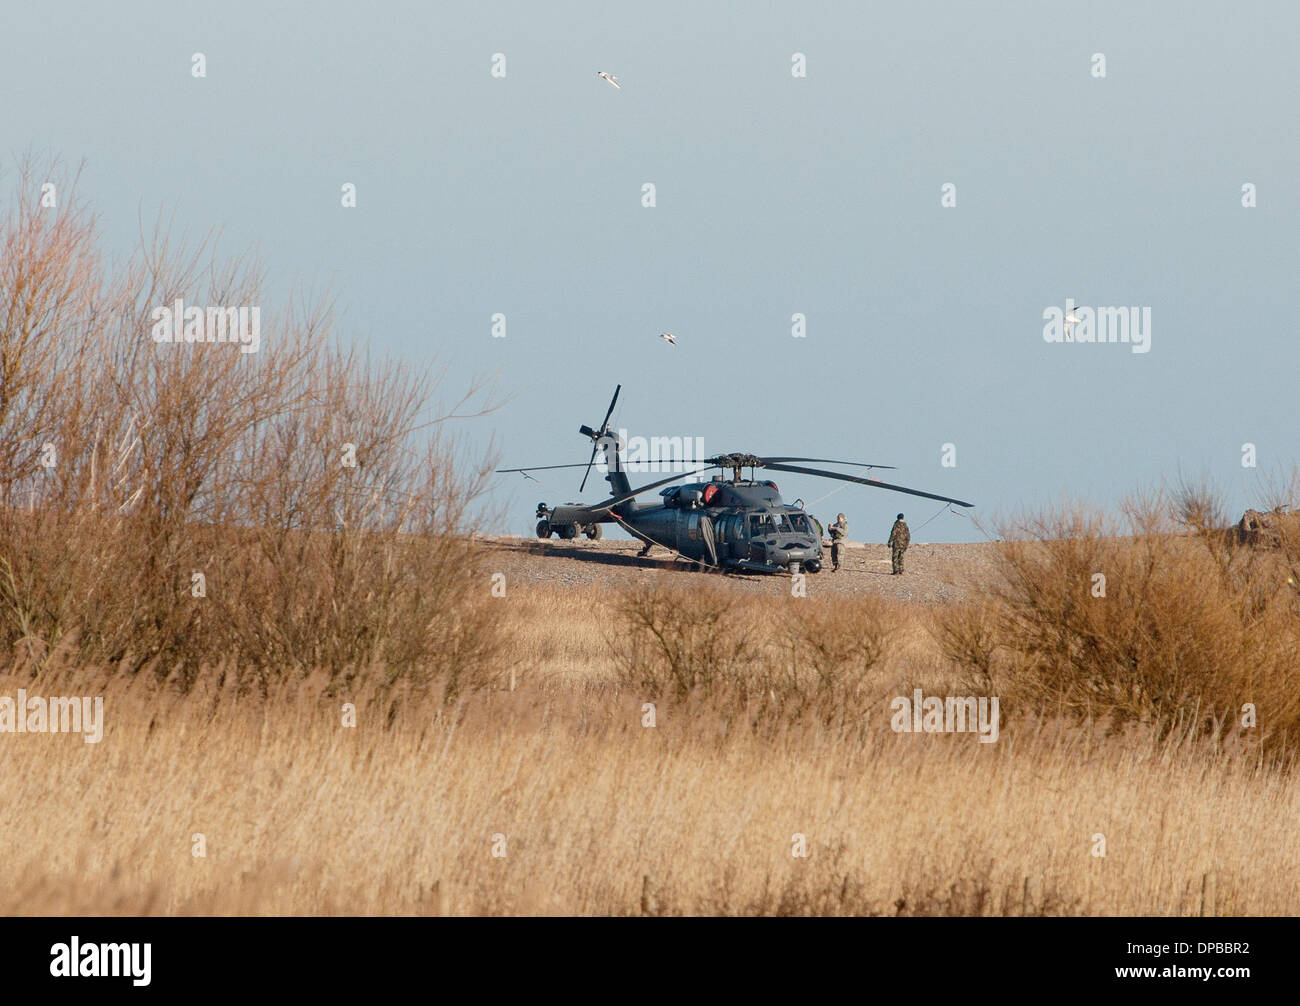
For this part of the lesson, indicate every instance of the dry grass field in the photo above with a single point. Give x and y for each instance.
(590, 811)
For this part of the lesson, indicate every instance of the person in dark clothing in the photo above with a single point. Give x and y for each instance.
(899, 538)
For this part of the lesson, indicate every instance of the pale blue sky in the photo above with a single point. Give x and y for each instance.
(776, 195)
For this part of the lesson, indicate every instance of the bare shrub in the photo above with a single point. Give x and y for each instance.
(667, 643)
(1135, 622)
(840, 642)
(132, 473)
(762, 664)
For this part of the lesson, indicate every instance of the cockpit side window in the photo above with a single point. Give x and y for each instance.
(800, 523)
(760, 524)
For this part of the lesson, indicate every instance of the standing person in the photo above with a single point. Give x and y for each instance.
(839, 532)
(899, 538)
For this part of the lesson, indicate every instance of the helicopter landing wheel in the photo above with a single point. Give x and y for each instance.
(543, 529)
(595, 532)
(569, 532)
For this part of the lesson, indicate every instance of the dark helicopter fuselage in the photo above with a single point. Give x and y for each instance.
(742, 526)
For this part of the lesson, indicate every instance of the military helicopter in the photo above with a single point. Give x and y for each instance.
(731, 524)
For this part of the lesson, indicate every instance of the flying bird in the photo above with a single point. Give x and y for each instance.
(609, 77)
(1071, 320)
(669, 338)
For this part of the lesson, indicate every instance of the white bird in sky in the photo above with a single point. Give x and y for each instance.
(609, 77)
(669, 338)
(1071, 319)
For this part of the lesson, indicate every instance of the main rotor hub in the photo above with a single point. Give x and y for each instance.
(736, 462)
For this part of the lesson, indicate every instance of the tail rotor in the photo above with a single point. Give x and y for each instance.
(597, 435)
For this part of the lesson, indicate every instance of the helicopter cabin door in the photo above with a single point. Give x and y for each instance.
(688, 535)
(734, 540)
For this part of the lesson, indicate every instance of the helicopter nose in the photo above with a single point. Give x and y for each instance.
(791, 550)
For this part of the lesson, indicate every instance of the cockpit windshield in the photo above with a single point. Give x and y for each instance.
(793, 523)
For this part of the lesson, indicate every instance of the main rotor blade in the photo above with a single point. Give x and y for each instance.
(874, 483)
(616, 500)
(537, 468)
(829, 461)
(604, 427)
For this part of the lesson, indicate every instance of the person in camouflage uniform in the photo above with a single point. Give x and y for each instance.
(839, 532)
(899, 538)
